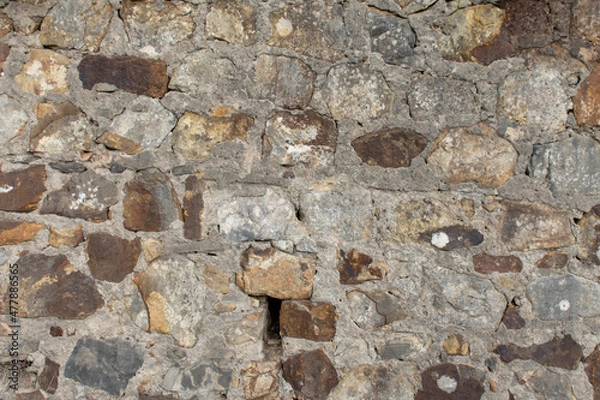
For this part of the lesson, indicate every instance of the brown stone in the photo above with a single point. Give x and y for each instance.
(6, 25)
(593, 371)
(451, 382)
(586, 103)
(44, 73)
(132, 74)
(308, 320)
(562, 353)
(193, 207)
(260, 380)
(35, 395)
(111, 258)
(554, 259)
(115, 141)
(512, 319)
(48, 379)
(22, 190)
(273, 273)
(233, 21)
(389, 148)
(585, 39)
(4, 52)
(15, 232)
(311, 374)
(216, 278)
(356, 267)
(153, 248)
(589, 236)
(56, 331)
(486, 264)
(69, 237)
(49, 286)
(146, 396)
(456, 345)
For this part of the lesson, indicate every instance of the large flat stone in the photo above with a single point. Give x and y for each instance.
(22, 190)
(72, 133)
(44, 73)
(311, 374)
(111, 258)
(389, 148)
(15, 232)
(308, 320)
(562, 353)
(486, 263)
(451, 382)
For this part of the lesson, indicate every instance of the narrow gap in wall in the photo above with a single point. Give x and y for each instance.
(272, 336)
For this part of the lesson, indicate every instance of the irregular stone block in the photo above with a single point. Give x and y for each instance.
(22, 190)
(486, 263)
(87, 196)
(233, 21)
(308, 320)
(71, 133)
(48, 379)
(586, 103)
(401, 346)
(355, 267)
(550, 385)
(216, 278)
(67, 167)
(132, 74)
(529, 226)
(391, 36)
(111, 258)
(153, 248)
(104, 364)
(251, 328)
(47, 115)
(389, 148)
(554, 259)
(14, 118)
(15, 232)
(372, 381)
(6, 25)
(44, 73)
(455, 345)
(193, 207)
(388, 305)
(592, 370)
(260, 380)
(311, 374)
(562, 353)
(205, 74)
(512, 319)
(69, 237)
(363, 310)
(275, 274)
(205, 377)
(441, 99)
(588, 244)
(4, 52)
(451, 382)
(453, 237)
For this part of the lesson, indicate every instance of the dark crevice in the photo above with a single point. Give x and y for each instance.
(273, 349)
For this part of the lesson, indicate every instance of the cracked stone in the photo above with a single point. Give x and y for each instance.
(48, 378)
(453, 237)
(456, 345)
(389, 148)
(14, 118)
(15, 232)
(355, 267)
(63, 135)
(391, 36)
(486, 263)
(373, 381)
(554, 259)
(308, 320)
(233, 21)
(589, 237)
(111, 258)
(260, 380)
(68, 237)
(401, 346)
(449, 101)
(563, 353)
(311, 374)
(44, 73)
(48, 114)
(22, 190)
(592, 370)
(512, 319)
(193, 207)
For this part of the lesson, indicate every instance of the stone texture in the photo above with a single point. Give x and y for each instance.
(486, 263)
(193, 207)
(453, 237)
(287, 82)
(562, 353)
(554, 259)
(68, 237)
(415, 218)
(104, 364)
(196, 135)
(589, 236)
(355, 267)
(444, 100)
(49, 286)
(22, 190)
(48, 378)
(473, 154)
(233, 21)
(401, 346)
(76, 24)
(586, 103)
(48, 116)
(216, 278)
(260, 380)
(389, 147)
(132, 74)
(363, 310)
(202, 378)
(273, 273)
(87, 196)
(44, 73)
(550, 385)
(373, 381)
(314, 29)
(153, 248)
(530, 226)
(174, 296)
(14, 118)
(4, 52)
(6, 25)
(390, 306)
(308, 320)
(592, 370)
(63, 134)
(305, 138)
(15, 232)
(451, 382)
(455, 345)
(67, 167)
(391, 36)
(150, 202)
(111, 258)
(512, 319)
(311, 374)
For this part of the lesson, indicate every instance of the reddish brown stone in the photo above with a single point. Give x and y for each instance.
(15, 232)
(389, 148)
(451, 382)
(193, 207)
(586, 103)
(111, 258)
(356, 267)
(132, 74)
(589, 236)
(311, 374)
(554, 259)
(512, 319)
(563, 353)
(22, 190)
(56, 331)
(486, 263)
(307, 320)
(593, 371)
(48, 379)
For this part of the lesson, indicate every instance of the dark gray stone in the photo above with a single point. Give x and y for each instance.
(199, 376)
(391, 36)
(67, 167)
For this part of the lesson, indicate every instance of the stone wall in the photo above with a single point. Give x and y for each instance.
(321, 199)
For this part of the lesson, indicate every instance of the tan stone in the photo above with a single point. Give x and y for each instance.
(588, 242)
(233, 21)
(15, 232)
(250, 328)
(69, 237)
(417, 217)
(115, 141)
(586, 20)
(5, 25)
(153, 248)
(44, 73)
(586, 103)
(216, 278)
(456, 345)
(260, 380)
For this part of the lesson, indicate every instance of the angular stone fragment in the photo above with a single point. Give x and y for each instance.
(363, 310)
(193, 207)
(314, 29)
(486, 263)
(529, 226)
(512, 319)
(275, 274)
(196, 135)
(104, 364)
(47, 115)
(473, 154)
(355, 91)
(204, 73)
(401, 346)
(453, 237)
(200, 377)
(233, 21)
(554, 259)
(15, 232)
(308, 320)
(216, 278)
(174, 295)
(355, 267)
(111, 258)
(550, 385)
(589, 236)
(287, 82)
(388, 305)
(391, 36)
(153, 248)
(6, 25)
(69, 237)
(44, 73)
(373, 381)
(71, 133)
(4, 52)
(451, 382)
(311, 374)
(456, 345)
(67, 167)
(87, 196)
(22, 190)
(592, 370)
(48, 379)
(389, 148)
(132, 74)
(150, 202)
(49, 286)
(260, 380)
(586, 103)
(562, 353)
(76, 24)
(14, 118)
(250, 328)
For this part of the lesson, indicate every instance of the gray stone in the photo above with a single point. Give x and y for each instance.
(389, 305)
(233, 21)
(198, 377)
(416, 6)
(373, 381)
(564, 297)
(551, 385)
(14, 119)
(106, 365)
(391, 36)
(401, 346)
(72, 133)
(363, 310)
(67, 167)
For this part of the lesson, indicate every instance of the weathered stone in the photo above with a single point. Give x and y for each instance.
(111, 258)
(6, 25)
(48, 379)
(592, 370)
(586, 103)
(48, 114)
(308, 320)
(355, 91)
(311, 374)
(143, 125)
(146, 396)
(67, 167)
(456, 345)
(473, 154)
(195, 135)
(389, 148)
(391, 36)
(49, 286)
(69, 237)
(373, 381)
(554, 259)
(287, 82)
(453, 237)
(251, 328)
(4, 52)
(22, 190)
(76, 24)
(429, 215)
(275, 274)
(401, 346)
(205, 377)
(132, 74)
(355, 267)
(550, 385)
(87, 196)
(216, 278)
(388, 305)
(14, 119)
(34, 395)
(363, 310)
(15, 232)
(233, 21)
(562, 353)
(486, 263)
(589, 236)
(529, 226)
(442, 100)
(451, 382)
(314, 29)
(44, 73)
(174, 295)
(260, 380)
(512, 319)
(71, 133)
(150, 202)
(153, 248)
(585, 22)
(193, 207)
(306, 138)
(563, 297)
(104, 364)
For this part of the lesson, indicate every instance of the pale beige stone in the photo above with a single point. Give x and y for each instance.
(216, 278)
(260, 380)
(456, 345)
(44, 73)
(233, 21)
(68, 237)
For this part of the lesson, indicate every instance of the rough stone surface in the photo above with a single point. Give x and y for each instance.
(111, 258)
(14, 119)
(69, 133)
(415, 218)
(260, 380)
(48, 379)
(233, 21)
(512, 319)
(44, 73)
(373, 381)
(452, 237)
(586, 103)
(446, 100)
(562, 353)
(401, 346)
(554, 259)
(308, 320)
(355, 267)
(69, 237)
(15, 232)
(456, 345)
(22, 190)
(486, 263)
(451, 382)
(592, 370)
(311, 374)
(391, 36)
(589, 237)
(193, 207)
(389, 148)
(4, 52)
(6, 25)
(199, 377)
(363, 311)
